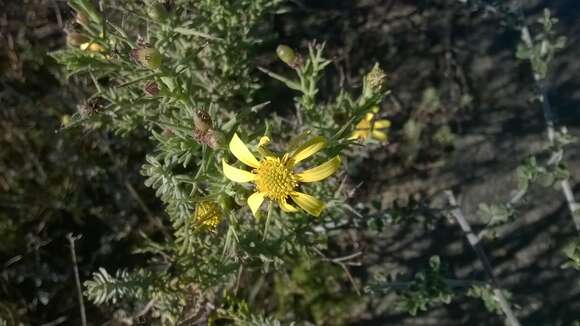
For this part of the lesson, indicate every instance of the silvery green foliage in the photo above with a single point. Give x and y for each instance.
(546, 45)
(428, 288)
(486, 293)
(495, 214)
(572, 252)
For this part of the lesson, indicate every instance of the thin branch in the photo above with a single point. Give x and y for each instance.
(475, 244)
(550, 118)
(72, 240)
(549, 114)
(343, 262)
(452, 283)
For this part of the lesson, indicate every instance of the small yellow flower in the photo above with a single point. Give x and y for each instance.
(92, 47)
(274, 177)
(207, 215)
(368, 128)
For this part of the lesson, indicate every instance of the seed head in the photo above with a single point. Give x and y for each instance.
(148, 57)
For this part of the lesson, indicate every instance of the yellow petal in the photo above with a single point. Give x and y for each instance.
(255, 201)
(242, 153)
(308, 149)
(369, 116)
(375, 109)
(358, 134)
(236, 174)
(308, 203)
(264, 140)
(286, 207)
(379, 135)
(382, 124)
(320, 172)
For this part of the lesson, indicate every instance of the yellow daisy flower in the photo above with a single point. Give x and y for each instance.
(207, 215)
(368, 128)
(275, 178)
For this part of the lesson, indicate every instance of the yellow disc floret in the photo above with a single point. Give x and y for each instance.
(274, 179)
(207, 215)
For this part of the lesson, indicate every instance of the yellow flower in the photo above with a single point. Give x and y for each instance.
(207, 215)
(92, 47)
(275, 178)
(369, 128)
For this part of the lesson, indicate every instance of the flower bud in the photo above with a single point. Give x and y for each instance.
(75, 39)
(202, 121)
(288, 56)
(148, 57)
(375, 81)
(65, 120)
(151, 88)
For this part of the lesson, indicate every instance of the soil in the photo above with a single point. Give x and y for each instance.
(459, 51)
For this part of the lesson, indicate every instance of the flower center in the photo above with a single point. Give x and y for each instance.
(207, 214)
(274, 179)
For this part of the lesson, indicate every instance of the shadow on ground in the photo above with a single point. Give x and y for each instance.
(460, 51)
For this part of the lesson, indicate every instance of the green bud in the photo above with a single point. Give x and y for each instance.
(148, 57)
(288, 56)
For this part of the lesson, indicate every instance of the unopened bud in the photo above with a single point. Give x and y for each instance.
(151, 88)
(212, 138)
(75, 39)
(202, 121)
(375, 80)
(65, 120)
(148, 57)
(288, 56)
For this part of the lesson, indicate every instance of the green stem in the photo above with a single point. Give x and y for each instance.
(267, 226)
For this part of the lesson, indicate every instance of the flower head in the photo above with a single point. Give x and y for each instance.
(368, 127)
(375, 80)
(274, 177)
(207, 215)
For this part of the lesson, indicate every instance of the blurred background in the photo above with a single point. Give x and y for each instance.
(453, 72)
